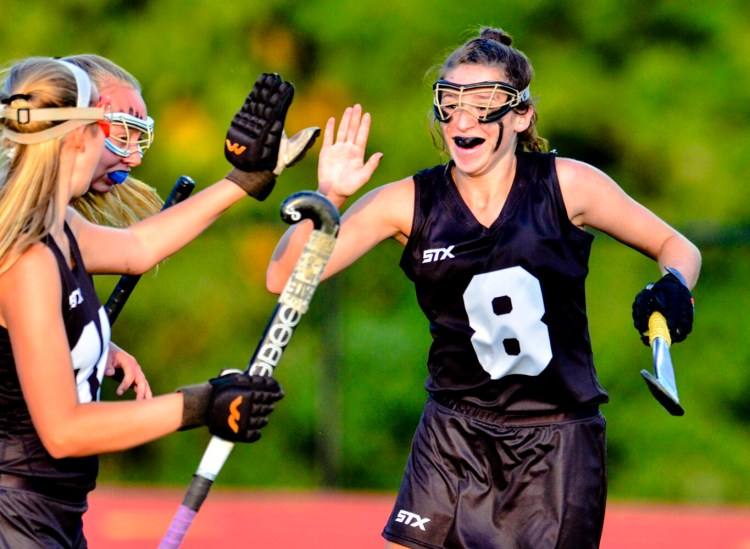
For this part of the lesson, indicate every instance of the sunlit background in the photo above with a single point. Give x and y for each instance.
(656, 94)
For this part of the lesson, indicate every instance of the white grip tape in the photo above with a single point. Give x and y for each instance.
(214, 457)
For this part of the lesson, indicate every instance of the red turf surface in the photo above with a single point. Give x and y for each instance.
(137, 519)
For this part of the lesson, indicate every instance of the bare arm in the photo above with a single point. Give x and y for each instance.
(254, 141)
(30, 296)
(138, 248)
(593, 199)
(385, 212)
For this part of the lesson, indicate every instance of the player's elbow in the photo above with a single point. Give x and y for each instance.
(59, 447)
(63, 442)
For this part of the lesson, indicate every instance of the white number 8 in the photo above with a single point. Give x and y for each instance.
(505, 309)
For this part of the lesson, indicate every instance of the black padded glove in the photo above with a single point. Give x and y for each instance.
(255, 135)
(235, 406)
(672, 298)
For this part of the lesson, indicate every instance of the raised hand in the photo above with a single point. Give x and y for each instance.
(342, 169)
(255, 133)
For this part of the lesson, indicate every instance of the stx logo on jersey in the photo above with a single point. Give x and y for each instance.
(437, 254)
(236, 148)
(411, 519)
(75, 298)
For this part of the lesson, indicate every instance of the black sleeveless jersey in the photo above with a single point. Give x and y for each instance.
(88, 330)
(506, 303)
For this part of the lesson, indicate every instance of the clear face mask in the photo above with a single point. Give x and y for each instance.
(486, 101)
(129, 134)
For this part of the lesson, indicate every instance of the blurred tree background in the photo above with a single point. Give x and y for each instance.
(655, 94)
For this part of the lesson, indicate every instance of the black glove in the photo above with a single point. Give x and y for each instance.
(672, 298)
(255, 134)
(235, 406)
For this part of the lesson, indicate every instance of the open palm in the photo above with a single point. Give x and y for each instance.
(342, 169)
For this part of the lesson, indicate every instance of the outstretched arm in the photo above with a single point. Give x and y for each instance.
(141, 246)
(385, 212)
(257, 148)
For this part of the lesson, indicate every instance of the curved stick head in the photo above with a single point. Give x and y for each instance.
(314, 206)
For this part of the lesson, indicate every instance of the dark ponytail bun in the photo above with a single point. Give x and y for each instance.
(499, 35)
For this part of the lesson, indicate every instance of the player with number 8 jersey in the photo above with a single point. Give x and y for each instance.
(510, 450)
(507, 305)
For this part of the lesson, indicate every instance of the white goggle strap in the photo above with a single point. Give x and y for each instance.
(523, 95)
(83, 84)
(75, 117)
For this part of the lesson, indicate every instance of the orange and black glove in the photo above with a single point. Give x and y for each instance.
(255, 135)
(235, 406)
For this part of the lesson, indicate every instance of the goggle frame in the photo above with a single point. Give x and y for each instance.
(130, 122)
(516, 97)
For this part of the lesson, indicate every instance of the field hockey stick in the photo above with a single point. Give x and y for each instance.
(662, 382)
(125, 286)
(292, 304)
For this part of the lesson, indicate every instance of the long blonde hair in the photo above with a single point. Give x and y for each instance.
(124, 204)
(131, 200)
(28, 173)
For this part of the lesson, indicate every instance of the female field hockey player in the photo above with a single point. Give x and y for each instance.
(510, 448)
(54, 334)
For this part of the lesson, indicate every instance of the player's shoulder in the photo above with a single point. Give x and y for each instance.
(405, 185)
(573, 173)
(389, 206)
(35, 269)
(394, 191)
(570, 167)
(75, 220)
(36, 261)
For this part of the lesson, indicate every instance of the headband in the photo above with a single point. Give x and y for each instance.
(74, 117)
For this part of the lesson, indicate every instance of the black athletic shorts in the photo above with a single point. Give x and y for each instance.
(476, 479)
(31, 520)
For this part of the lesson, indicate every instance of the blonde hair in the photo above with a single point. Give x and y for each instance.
(28, 173)
(131, 200)
(123, 205)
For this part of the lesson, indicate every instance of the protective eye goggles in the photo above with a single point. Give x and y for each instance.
(486, 101)
(72, 117)
(137, 136)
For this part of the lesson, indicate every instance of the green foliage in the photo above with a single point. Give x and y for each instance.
(657, 95)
